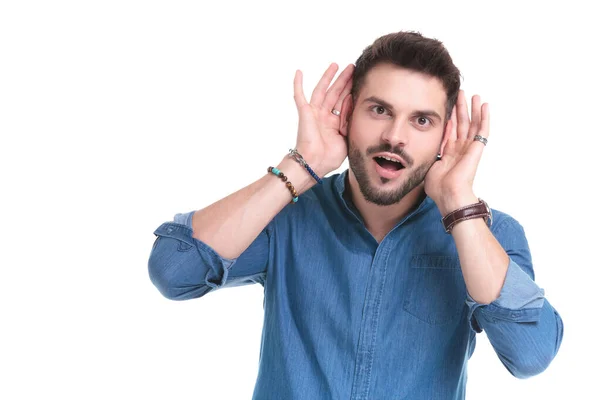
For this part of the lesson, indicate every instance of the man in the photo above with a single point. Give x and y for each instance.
(369, 294)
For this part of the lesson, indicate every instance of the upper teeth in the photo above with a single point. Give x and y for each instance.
(389, 159)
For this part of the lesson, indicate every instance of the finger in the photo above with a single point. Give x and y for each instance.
(484, 129)
(463, 121)
(335, 94)
(345, 93)
(298, 91)
(318, 94)
(475, 116)
(475, 150)
(474, 153)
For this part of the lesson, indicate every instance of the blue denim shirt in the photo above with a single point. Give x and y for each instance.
(346, 317)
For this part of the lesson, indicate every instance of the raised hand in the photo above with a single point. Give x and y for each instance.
(319, 139)
(449, 182)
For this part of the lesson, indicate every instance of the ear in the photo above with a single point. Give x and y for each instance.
(346, 114)
(446, 137)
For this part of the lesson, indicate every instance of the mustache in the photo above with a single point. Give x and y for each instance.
(387, 148)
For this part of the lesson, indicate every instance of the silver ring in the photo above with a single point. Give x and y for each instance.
(481, 139)
(335, 112)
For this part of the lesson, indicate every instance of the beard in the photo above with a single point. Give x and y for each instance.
(381, 197)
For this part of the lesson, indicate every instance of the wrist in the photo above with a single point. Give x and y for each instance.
(468, 212)
(314, 161)
(296, 174)
(450, 203)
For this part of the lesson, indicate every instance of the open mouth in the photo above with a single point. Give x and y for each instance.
(388, 164)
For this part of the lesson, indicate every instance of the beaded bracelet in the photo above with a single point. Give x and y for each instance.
(298, 157)
(284, 178)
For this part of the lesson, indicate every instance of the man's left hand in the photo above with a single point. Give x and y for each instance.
(449, 181)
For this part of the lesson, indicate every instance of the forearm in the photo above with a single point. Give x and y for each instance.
(483, 260)
(231, 224)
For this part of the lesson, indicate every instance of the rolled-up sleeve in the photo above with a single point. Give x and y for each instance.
(521, 299)
(184, 219)
(524, 329)
(183, 267)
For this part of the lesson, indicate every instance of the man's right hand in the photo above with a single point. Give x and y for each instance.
(319, 140)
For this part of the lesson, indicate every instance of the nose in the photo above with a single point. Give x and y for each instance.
(396, 133)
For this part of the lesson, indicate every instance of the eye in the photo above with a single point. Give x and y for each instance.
(423, 121)
(379, 110)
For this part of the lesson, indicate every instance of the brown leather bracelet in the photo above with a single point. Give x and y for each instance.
(477, 210)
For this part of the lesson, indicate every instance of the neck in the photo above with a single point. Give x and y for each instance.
(379, 220)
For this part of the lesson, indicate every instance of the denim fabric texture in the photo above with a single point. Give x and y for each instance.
(346, 317)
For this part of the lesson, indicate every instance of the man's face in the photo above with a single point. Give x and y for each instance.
(398, 114)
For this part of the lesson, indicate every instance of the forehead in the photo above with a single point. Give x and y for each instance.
(406, 90)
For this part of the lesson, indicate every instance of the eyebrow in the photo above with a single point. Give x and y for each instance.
(427, 113)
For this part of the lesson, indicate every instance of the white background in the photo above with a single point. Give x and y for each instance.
(115, 115)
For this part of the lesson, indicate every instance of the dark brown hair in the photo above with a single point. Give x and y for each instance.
(412, 51)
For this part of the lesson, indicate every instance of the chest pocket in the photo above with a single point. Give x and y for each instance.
(436, 290)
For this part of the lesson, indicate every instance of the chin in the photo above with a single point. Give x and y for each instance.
(378, 189)
(384, 186)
